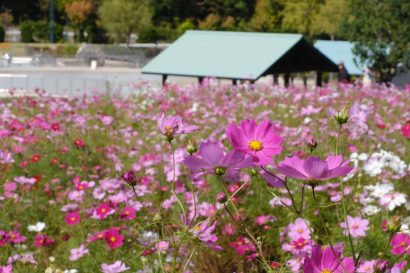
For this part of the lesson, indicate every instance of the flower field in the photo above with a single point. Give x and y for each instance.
(206, 178)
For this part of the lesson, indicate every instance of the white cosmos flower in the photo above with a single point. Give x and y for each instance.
(371, 210)
(380, 190)
(393, 200)
(40, 226)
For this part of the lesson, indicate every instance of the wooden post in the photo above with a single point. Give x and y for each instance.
(287, 76)
(164, 79)
(234, 82)
(319, 78)
(200, 80)
(275, 79)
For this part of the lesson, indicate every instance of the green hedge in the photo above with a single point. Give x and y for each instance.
(39, 31)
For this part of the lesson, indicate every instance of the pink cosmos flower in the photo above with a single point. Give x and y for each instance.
(113, 238)
(298, 245)
(171, 126)
(212, 158)
(128, 213)
(313, 168)
(72, 218)
(41, 240)
(405, 130)
(367, 267)
(325, 261)
(244, 246)
(6, 269)
(162, 246)
(298, 229)
(357, 226)
(15, 237)
(260, 141)
(400, 244)
(77, 253)
(204, 232)
(116, 267)
(229, 229)
(103, 211)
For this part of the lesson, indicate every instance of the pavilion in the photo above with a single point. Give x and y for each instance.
(338, 52)
(239, 56)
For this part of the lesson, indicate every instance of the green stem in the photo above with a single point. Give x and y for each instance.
(343, 202)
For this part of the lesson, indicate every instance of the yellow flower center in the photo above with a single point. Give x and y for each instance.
(300, 230)
(103, 210)
(403, 244)
(355, 226)
(255, 145)
(325, 271)
(72, 219)
(113, 239)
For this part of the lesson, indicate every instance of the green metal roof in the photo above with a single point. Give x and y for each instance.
(231, 55)
(340, 51)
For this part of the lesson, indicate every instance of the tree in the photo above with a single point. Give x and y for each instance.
(381, 32)
(121, 18)
(78, 12)
(298, 15)
(330, 18)
(266, 16)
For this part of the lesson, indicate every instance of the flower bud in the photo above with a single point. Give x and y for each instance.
(254, 172)
(394, 224)
(275, 265)
(157, 217)
(130, 178)
(312, 145)
(221, 197)
(342, 117)
(220, 171)
(191, 146)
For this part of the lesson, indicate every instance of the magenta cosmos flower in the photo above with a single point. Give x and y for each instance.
(313, 168)
(357, 226)
(171, 126)
(72, 218)
(400, 244)
(259, 140)
(325, 261)
(212, 159)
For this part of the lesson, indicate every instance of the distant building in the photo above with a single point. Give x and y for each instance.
(340, 52)
(239, 56)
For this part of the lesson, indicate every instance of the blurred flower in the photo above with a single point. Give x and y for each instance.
(79, 143)
(77, 253)
(357, 226)
(400, 244)
(313, 168)
(40, 226)
(6, 268)
(113, 238)
(116, 267)
(325, 261)
(128, 213)
(41, 240)
(72, 218)
(260, 141)
(405, 130)
(171, 126)
(213, 160)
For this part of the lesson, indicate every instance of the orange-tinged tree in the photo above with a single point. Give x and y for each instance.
(78, 12)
